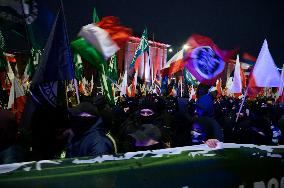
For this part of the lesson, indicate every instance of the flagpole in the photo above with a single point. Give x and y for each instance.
(242, 104)
(66, 33)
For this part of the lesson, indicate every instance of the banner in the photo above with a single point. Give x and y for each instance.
(191, 166)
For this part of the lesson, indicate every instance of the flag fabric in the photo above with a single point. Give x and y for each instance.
(95, 16)
(192, 95)
(219, 87)
(264, 73)
(281, 83)
(29, 70)
(10, 72)
(99, 39)
(118, 33)
(236, 86)
(134, 84)
(97, 43)
(174, 65)
(248, 58)
(205, 60)
(88, 53)
(78, 66)
(17, 99)
(243, 77)
(142, 47)
(107, 87)
(107, 36)
(123, 85)
(56, 63)
(112, 68)
(28, 73)
(189, 79)
(39, 19)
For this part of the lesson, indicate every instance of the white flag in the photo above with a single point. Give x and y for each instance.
(236, 86)
(265, 72)
(100, 39)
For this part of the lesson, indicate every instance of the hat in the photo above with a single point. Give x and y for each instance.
(84, 109)
(145, 134)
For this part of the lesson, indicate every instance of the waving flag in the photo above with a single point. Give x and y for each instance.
(112, 70)
(236, 86)
(142, 47)
(78, 66)
(189, 79)
(56, 62)
(281, 86)
(174, 65)
(106, 36)
(17, 99)
(123, 86)
(205, 60)
(264, 73)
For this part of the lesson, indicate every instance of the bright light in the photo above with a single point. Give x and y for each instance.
(170, 50)
(185, 47)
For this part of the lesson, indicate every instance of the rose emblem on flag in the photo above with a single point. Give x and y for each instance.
(206, 62)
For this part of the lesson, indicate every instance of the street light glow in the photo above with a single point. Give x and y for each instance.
(185, 47)
(170, 50)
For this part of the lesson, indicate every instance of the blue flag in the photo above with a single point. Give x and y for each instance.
(39, 18)
(56, 62)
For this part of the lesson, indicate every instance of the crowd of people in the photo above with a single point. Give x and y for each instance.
(94, 128)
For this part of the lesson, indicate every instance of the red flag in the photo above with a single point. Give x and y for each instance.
(17, 99)
(117, 32)
(248, 57)
(243, 77)
(205, 60)
(219, 87)
(174, 65)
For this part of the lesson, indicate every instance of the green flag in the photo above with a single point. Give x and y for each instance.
(107, 89)
(95, 16)
(189, 79)
(79, 68)
(112, 69)
(142, 47)
(89, 53)
(30, 69)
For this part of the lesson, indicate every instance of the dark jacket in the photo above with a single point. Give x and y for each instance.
(92, 142)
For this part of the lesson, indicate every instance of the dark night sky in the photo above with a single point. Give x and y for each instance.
(230, 23)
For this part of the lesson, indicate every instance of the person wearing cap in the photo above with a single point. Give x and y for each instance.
(147, 137)
(89, 134)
